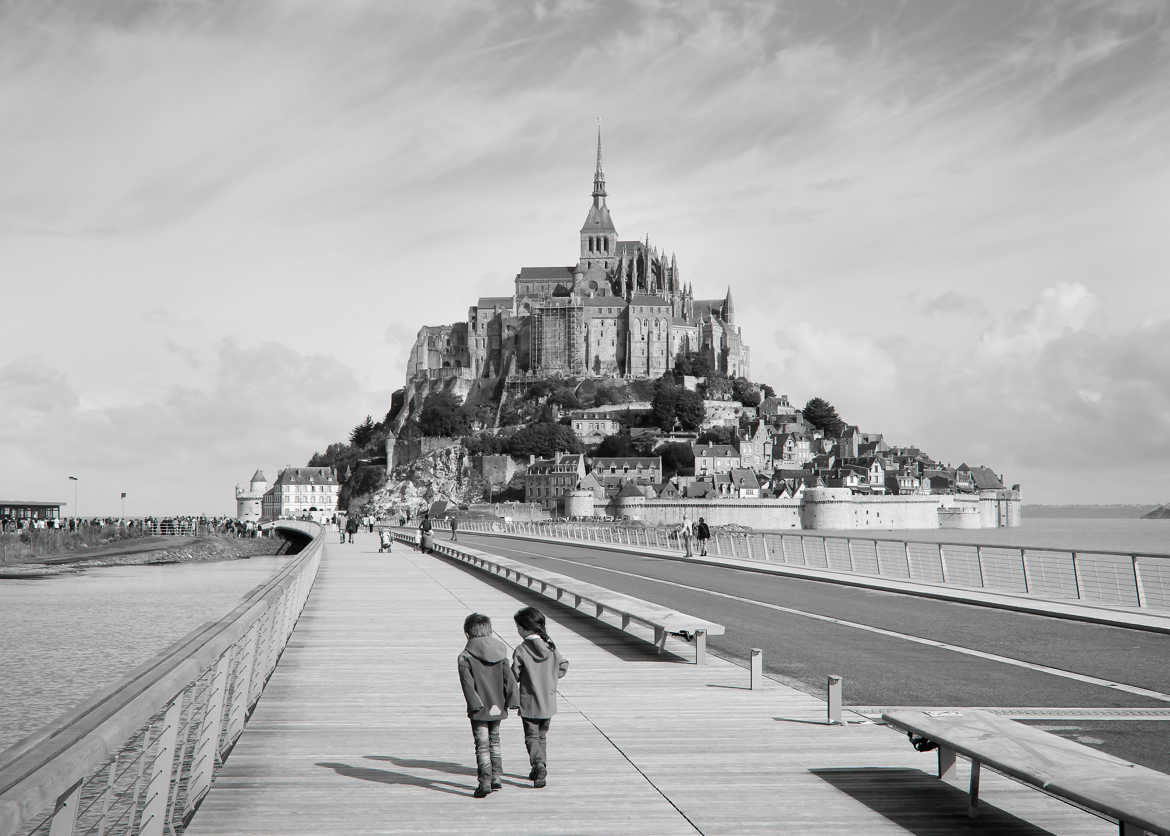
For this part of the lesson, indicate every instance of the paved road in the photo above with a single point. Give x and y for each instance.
(875, 640)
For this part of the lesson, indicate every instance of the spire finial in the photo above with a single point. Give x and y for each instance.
(599, 145)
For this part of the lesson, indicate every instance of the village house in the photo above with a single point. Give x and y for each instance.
(548, 480)
(643, 470)
(744, 483)
(714, 458)
(592, 426)
(755, 447)
(793, 449)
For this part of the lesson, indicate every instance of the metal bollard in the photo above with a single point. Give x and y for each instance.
(757, 668)
(834, 701)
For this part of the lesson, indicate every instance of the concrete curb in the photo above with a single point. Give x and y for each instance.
(998, 600)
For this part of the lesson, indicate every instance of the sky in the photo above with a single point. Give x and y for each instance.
(222, 223)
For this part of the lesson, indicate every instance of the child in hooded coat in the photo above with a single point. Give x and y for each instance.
(489, 687)
(537, 665)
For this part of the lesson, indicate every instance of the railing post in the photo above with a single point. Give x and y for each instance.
(979, 562)
(1137, 582)
(942, 562)
(238, 708)
(65, 815)
(757, 668)
(1024, 568)
(1077, 575)
(158, 786)
(803, 553)
(849, 551)
(906, 550)
(206, 748)
(731, 541)
(764, 546)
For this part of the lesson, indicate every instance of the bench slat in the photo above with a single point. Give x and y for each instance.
(1062, 767)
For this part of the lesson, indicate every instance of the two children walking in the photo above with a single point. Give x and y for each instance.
(491, 687)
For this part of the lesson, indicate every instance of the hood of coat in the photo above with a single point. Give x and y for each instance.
(538, 648)
(488, 649)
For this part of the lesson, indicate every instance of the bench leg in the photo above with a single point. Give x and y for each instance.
(660, 639)
(973, 791)
(700, 647)
(625, 621)
(1125, 828)
(946, 762)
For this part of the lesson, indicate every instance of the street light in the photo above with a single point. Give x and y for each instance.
(76, 510)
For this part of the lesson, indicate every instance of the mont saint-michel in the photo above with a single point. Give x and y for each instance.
(606, 388)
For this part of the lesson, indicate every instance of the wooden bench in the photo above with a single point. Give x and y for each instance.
(1137, 797)
(662, 620)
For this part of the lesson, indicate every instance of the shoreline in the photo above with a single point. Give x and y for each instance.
(205, 549)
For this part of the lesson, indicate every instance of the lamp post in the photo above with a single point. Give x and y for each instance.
(76, 510)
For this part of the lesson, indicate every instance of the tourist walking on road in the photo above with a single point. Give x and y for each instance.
(489, 688)
(702, 534)
(687, 532)
(341, 529)
(454, 525)
(537, 665)
(351, 527)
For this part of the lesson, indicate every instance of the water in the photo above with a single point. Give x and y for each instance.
(1111, 535)
(65, 636)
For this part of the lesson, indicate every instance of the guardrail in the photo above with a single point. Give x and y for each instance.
(1090, 576)
(600, 601)
(138, 758)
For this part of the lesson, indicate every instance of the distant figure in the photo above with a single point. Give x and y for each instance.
(369, 520)
(424, 533)
(341, 529)
(454, 526)
(688, 531)
(351, 527)
(387, 541)
(489, 688)
(702, 534)
(537, 665)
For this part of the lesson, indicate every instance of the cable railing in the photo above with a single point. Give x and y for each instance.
(137, 759)
(1089, 576)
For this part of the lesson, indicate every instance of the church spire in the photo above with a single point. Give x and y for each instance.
(598, 174)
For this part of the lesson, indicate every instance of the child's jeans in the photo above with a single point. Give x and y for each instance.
(489, 759)
(536, 739)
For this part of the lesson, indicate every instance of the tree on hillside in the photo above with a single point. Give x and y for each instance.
(565, 398)
(717, 389)
(694, 363)
(665, 402)
(688, 408)
(718, 435)
(677, 459)
(768, 391)
(363, 433)
(616, 445)
(746, 392)
(544, 440)
(823, 415)
(442, 415)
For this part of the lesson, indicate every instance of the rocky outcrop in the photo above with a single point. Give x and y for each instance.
(1162, 512)
(445, 474)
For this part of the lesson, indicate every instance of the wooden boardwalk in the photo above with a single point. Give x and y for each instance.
(362, 730)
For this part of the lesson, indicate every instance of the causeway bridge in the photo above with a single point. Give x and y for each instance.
(327, 701)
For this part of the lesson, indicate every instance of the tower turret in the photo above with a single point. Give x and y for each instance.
(729, 309)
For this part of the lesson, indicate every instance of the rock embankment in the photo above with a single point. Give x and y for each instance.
(174, 550)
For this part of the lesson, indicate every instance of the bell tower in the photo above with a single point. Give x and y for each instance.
(598, 235)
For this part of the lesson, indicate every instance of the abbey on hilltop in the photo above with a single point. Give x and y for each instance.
(621, 311)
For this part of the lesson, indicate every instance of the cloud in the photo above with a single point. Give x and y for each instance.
(953, 303)
(265, 405)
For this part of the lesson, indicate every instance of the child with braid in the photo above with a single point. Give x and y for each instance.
(537, 665)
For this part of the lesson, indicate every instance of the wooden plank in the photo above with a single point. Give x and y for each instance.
(362, 730)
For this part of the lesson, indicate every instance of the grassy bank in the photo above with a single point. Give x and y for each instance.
(140, 550)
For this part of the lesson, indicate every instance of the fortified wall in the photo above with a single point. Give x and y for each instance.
(818, 508)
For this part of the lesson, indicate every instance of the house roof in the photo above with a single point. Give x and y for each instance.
(306, 476)
(630, 489)
(649, 301)
(627, 461)
(986, 479)
(714, 450)
(546, 272)
(744, 475)
(699, 490)
(259, 476)
(494, 302)
(667, 489)
(607, 301)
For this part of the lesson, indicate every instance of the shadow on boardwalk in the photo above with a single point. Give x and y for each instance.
(937, 805)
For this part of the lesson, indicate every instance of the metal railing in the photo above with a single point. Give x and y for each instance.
(138, 758)
(1090, 576)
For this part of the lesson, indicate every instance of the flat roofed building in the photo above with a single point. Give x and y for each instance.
(29, 509)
